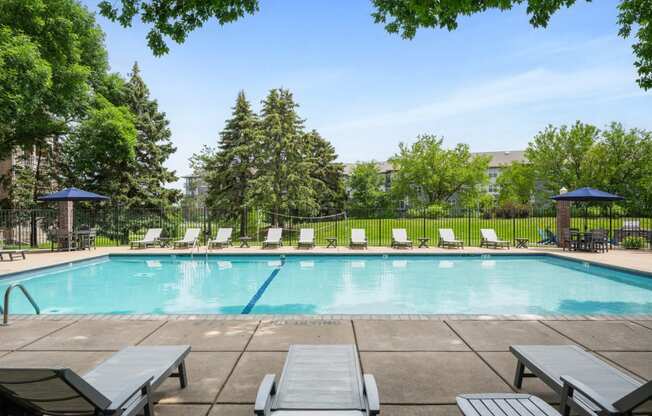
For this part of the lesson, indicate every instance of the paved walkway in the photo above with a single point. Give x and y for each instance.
(627, 259)
(419, 365)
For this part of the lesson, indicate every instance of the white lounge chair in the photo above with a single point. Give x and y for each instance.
(151, 238)
(274, 236)
(223, 238)
(358, 238)
(447, 238)
(490, 239)
(306, 237)
(189, 239)
(400, 238)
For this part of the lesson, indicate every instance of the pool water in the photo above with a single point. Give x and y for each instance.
(395, 284)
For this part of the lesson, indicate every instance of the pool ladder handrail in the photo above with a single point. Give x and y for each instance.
(5, 308)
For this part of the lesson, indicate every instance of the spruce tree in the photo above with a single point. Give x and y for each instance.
(327, 173)
(153, 148)
(228, 170)
(283, 182)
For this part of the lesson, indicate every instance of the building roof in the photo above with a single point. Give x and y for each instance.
(498, 159)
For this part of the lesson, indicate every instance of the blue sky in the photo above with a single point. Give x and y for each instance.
(493, 83)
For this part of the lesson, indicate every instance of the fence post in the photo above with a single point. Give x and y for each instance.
(610, 229)
(468, 224)
(424, 223)
(513, 227)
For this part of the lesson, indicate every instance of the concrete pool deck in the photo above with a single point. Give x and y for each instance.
(419, 365)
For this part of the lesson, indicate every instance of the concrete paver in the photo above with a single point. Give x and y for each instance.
(499, 335)
(421, 410)
(606, 335)
(181, 409)
(505, 364)
(277, 336)
(204, 335)
(79, 361)
(97, 335)
(207, 372)
(20, 333)
(639, 363)
(387, 335)
(429, 377)
(243, 384)
(232, 410)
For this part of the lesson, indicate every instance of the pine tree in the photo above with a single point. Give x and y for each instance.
(153, 148)
(283, 182)
(327, 173)
(228, 170)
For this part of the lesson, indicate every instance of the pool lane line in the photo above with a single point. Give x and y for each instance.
(252, 302)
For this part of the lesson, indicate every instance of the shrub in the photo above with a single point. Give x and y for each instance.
(512, 210)
(633, 242)
(432, 211)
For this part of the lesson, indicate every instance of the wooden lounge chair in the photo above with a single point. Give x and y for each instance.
(319, 380)
(400, 238)
(358, 238)
(447, 239)
(151, 238)
(306, 238)
(586, 384)
(189, 239)
(120, 386)
(490, 239)
(503, 404)
(274, 238)
(222, 239)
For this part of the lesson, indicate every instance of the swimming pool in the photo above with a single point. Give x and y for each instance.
(314, 284)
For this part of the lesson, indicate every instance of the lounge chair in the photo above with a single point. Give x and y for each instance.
(447, 239)
(274, 236)
(490, 239)
(306, 238)
(13, 254)
(358, 238)
(151, 238)
(319, 380)
(400, 238)
(121, 385)
(189, 239)
(586, 384)
(223, 238)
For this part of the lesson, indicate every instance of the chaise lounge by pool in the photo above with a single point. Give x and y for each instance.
(333, 284)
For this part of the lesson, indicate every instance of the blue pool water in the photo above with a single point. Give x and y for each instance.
(332, 285)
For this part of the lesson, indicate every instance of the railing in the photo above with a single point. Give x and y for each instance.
(5, 309)
(117, 226)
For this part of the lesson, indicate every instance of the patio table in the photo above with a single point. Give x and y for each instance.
(244, 242)
(521, 242)
(332, 242)
(423, 242)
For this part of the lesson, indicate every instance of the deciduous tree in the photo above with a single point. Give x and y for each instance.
(366, 194)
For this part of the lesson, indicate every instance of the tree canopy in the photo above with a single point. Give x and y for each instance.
(428, 173)
(171, 19)
(366, 189)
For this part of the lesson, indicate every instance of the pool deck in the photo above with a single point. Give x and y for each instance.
(420, 361)
(419, 365)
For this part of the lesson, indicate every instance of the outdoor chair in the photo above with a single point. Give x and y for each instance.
(13, 254)
(567, 240)
(120, 386)
(490, 239)
(274, 238)
(400, 238)
(358, 238)
(447, 239)
(319, 380)
(306, 238)
(599, 240)
(586, 385)
(189, 240)
(547, 237)
(222, 239)
(151, 238)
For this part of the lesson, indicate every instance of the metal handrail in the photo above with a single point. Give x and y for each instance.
(5, 309)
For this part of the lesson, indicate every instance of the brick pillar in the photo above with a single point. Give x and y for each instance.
(563, 218)
(65, 216)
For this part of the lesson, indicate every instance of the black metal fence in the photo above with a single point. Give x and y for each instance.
(117, 226)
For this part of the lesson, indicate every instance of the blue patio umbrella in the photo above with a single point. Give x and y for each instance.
(588, 195)
(72, 194)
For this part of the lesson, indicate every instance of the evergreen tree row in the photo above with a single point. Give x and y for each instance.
(269, 161)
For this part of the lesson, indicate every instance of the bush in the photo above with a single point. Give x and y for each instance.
(432, 211)
(633, 242)
(512, 210)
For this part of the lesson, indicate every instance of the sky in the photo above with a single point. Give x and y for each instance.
(493, 83)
